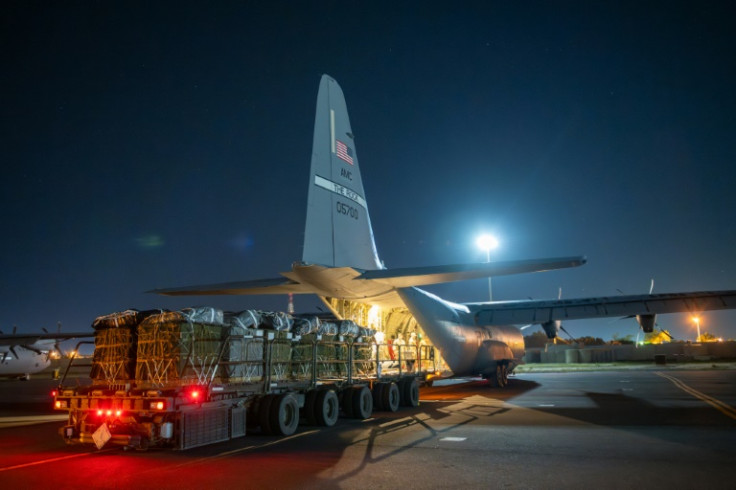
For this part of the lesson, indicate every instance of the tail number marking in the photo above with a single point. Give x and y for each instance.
(347, 210)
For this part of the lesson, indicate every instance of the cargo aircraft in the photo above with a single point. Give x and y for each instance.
(24, 354)
(340, 264)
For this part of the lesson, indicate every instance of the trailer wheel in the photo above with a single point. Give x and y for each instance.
(284, 415)
(326, 408)
(362, 402)
(390, 397)
(378, 396)
(409, 392)
(346, 401)
(264, 413)
(310, 407)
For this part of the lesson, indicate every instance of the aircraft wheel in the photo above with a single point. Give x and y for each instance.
(499, 379)
(264, 413)
(362, 402)
(326, 408)
(390, 397)
(284, 415)
(504, 375)
(378, 396)
(409, 389)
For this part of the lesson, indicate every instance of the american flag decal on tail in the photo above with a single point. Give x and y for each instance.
(343, 151)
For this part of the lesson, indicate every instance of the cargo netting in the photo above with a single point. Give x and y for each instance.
(203, 345)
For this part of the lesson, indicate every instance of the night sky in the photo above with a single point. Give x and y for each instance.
(158, 144)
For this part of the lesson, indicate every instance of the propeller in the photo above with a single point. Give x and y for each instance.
(568, 334)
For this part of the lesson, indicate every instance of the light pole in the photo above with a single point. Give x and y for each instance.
(487, 242)
(696, 319)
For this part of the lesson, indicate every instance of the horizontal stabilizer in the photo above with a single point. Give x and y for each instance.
(276, 285)
(422, 276)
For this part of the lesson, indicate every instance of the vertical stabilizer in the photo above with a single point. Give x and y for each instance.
(338, 232)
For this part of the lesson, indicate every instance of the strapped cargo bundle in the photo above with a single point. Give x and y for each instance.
(243, 358)
(172, 348)
(114, 358)
(161, 348)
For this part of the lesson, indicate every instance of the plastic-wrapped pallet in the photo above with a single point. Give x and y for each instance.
(248, 319)
(349, 328)
(114, 358)
(171, 348)
(204, 314)
(244, 354)
(327, 328)
(306, 325)
(278, 321)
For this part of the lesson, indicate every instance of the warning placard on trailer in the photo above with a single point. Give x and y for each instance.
(101, 436)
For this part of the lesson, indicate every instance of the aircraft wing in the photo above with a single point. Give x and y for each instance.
(26, 339)
(422, 276)
(525, 312)
(276, 285)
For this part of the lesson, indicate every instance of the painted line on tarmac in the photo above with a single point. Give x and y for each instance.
(6, 422)
(51, 460)
(722, 407)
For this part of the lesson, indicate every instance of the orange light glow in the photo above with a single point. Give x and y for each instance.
(159, 405)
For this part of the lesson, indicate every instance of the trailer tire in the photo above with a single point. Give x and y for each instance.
(309, 412)
(326, 408)
(264, 413)
(409, 392)
(377, 391)
(362, 402)
(284, 414)
(346, 401)
(390, 397)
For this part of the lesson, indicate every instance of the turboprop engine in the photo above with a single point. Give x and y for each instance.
(647, 322)
(551, 328)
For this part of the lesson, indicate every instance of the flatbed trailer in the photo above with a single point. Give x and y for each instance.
(282, 380)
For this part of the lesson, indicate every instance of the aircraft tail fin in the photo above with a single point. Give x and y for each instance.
(338, 229)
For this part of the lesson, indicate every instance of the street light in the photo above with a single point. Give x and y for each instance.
(696, 319)
(487, 242)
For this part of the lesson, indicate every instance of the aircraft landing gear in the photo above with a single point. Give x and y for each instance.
(499, 378)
